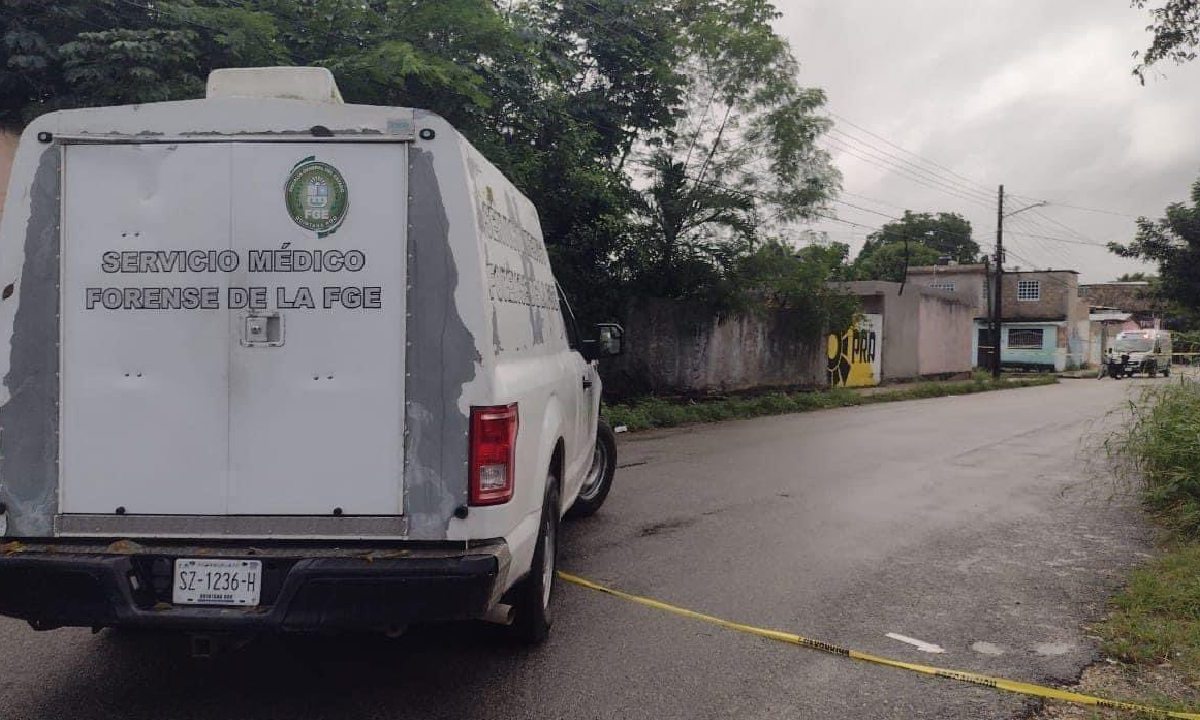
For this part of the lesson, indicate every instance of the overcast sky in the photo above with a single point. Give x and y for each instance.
(1033, 94)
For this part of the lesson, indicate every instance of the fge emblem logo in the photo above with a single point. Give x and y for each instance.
(316, 196)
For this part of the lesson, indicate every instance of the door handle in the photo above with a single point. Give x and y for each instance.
(264, 330)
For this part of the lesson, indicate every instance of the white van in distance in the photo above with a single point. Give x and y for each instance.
(275, 362)
(1140, 351)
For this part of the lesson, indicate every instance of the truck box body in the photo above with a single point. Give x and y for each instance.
(264, 319)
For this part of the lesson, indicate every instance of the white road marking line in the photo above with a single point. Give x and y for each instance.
(920, 644)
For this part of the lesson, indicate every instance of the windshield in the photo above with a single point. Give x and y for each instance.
(1133, 344)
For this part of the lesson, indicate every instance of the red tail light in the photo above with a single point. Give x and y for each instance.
(493, 451)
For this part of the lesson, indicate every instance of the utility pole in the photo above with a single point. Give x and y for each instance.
(998, 305)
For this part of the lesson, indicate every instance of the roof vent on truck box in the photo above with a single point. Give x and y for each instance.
(314, 84)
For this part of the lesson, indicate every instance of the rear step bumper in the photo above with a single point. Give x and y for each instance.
(304, 589)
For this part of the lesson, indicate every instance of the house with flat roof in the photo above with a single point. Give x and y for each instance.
(1134, 297)
(1045, 324)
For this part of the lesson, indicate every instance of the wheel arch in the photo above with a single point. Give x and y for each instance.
(552, 451)
(558, 460)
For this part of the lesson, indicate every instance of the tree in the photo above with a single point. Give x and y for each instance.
(888, 261)
(1173, 242)
(1136, 277)
(80, 53)
(678, 253)
(740, 157)
(1175, 26)
(566, 97)
(781, 277)
(603, 75)
(552, 92)
(929, 239)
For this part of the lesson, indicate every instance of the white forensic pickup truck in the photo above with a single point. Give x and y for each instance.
(275, 362)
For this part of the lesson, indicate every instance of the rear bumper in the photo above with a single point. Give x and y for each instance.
(304, 589)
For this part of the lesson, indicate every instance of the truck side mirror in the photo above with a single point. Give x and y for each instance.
(609, 342)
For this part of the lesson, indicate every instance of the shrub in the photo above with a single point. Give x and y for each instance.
(1160, 445)
(655, 412)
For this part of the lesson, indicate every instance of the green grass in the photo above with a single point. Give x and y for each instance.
(1156, 618)
(1160, 447)
(656, 412)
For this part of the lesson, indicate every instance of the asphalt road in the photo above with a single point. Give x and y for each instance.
(982, 523)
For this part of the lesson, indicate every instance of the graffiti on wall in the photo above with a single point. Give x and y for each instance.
(854, 357)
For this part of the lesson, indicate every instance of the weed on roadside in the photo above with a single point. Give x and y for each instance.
(1158, 449)
(1156, 619)
(654, 412)
(1153, 630)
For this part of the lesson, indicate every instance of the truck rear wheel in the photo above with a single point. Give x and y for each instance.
(600, 475)
(531, 605)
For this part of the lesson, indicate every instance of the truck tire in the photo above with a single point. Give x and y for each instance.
(600, 475)
(531, 604)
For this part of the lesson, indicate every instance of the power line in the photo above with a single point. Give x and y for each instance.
(882, 161)
(1034, 266)
(846, 121)
(1043, 226)
(1043, 247)
(1021, 228)
(909, 176)
(874, 200)
(1040, 218)
(925, 172)
(1055, 203)
(1024, 222)
(1043, 220)
(865, 151)
(866, 210)
(1055, 238)
(1057, 223)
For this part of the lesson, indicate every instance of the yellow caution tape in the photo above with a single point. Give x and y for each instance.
(1014, 686)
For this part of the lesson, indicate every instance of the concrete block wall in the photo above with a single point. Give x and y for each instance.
(944, 336)
(675, 347)
(925, 331)
(969, 282)
(1059, 296)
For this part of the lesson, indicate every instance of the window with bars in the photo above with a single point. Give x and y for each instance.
(1026, 338)
(942, 285)
(1029, 290)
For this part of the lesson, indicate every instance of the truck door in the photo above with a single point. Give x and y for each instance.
(577, 399)
(144, 410)
(318, 392)
(232, 328)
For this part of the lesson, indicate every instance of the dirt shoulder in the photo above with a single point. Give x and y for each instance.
(1150, 638)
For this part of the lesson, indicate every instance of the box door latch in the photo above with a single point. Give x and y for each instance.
(264, 330)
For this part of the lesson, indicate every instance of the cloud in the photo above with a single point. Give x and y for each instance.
(1038, 96)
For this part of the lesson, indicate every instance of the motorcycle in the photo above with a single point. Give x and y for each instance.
(1118, 366)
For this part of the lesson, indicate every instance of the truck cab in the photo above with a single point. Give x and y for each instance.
(276, 362)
